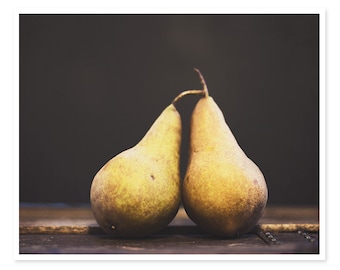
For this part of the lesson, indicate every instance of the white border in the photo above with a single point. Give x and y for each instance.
(157, 257)
(322, 134)
(16, 132)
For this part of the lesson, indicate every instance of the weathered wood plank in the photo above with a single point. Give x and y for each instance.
(73, 230)
(164, 244)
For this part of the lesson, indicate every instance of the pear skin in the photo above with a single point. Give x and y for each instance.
(137, 192)
(224, 192)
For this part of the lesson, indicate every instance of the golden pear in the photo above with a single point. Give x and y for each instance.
(224, 192)
(137, 192)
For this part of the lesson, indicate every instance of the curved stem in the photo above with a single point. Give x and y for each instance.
(188, 92)
(205, 88)
(203, 92)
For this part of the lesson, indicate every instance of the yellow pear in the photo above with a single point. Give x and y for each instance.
(224, 192)
(137, 192)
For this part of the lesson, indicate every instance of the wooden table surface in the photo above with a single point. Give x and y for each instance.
(65, 229)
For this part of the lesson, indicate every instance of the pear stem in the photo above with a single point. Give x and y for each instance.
(203, 92)
(205, 88)
(188, 92)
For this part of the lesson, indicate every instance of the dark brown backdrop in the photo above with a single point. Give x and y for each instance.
(91, 85)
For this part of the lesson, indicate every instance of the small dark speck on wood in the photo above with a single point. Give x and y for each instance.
(152, 177)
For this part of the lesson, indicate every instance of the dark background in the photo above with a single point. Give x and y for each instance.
(92, 85)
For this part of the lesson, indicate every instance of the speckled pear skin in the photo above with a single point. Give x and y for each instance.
(224, 192)
(137, 193)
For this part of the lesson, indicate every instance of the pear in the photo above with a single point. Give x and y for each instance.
(137, 192)
(224, 192)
